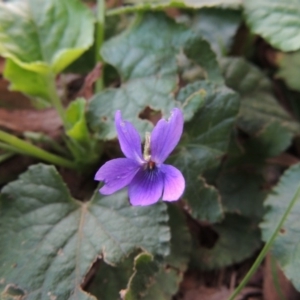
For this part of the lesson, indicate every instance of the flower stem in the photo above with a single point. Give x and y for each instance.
(266, 248)
(24, 147)
(100, 25)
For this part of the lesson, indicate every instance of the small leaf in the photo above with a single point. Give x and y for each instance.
(286, 245)
(237, 239)
(259, 107)
(275, 20)
(75, 116)
(53, 39)
(40, 222)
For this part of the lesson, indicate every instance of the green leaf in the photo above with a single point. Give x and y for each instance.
(259, 107)
(61, 237)
(142, 5)
(203, 201)
(148, 282)
(145, 267)
(237, 239)
(218, 26)
(145, 56)
(289, 66)
(75, 116)
(207, 60)
(110, 280)
(286, 245)
(242, 193)
(275, 20)
(28, 82)
(204, 144)
(271, 141)
(40, 36)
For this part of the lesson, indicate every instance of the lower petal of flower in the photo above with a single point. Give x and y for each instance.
(146, 187)
(174, 183)
(116, 174)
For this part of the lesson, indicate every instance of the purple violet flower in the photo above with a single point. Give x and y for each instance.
(147, 178)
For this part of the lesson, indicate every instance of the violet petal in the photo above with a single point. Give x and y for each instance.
(116, 174)
(129, 138)
(146, 187)
(174, 183)
(165, 136)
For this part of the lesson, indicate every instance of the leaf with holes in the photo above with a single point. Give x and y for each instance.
(146, 59)
(53, 39)
(286, 195)
(61, 237)
(259, 107)
(276, 20)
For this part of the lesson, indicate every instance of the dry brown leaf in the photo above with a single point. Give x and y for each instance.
(18, 121)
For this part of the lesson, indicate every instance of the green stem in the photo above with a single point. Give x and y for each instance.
(24, 147)
(265, 249)
(6, 156)
(100, 25)
(56, 101)
(10, 148)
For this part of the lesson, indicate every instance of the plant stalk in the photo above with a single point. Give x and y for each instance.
(24, 147)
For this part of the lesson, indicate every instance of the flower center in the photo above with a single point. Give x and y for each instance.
(151, 165)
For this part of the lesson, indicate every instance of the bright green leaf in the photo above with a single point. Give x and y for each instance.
(61, 237)
(286, 245)
(259, 107)
(41, 36)
(145, 56)
(276, 20)
(28, 82)
(75, 116)
(237, 238)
